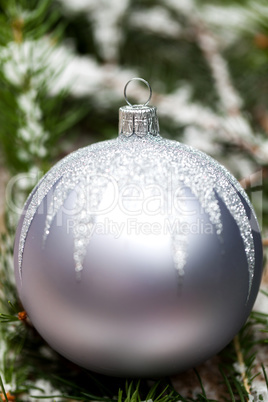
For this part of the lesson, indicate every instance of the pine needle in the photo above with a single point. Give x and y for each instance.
(227, 382)
(3, 389)
(241, 362)
(265, 375)
(264, 292)
(239, 389)
(201, 383)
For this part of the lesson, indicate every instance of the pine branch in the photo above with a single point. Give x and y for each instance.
(230, 100)
(31, 120)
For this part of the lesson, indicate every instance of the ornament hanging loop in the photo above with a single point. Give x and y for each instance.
(139, 120)
(145, 82)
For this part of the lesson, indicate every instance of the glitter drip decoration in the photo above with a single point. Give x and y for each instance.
(145, 253)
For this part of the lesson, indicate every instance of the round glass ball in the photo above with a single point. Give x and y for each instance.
(138, 256)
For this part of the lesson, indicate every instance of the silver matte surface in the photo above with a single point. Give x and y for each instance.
(124, 290)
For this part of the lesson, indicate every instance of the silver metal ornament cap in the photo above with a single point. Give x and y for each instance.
(138, 120)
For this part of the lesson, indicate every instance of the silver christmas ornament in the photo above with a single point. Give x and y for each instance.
(138, 256)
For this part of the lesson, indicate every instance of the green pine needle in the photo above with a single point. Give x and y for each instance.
(240, 389)
(3, 389)
(265, 375)
(201, 384)
(227, 382)
(5, 318)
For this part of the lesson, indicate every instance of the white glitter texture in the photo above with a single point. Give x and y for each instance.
(144, 162)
